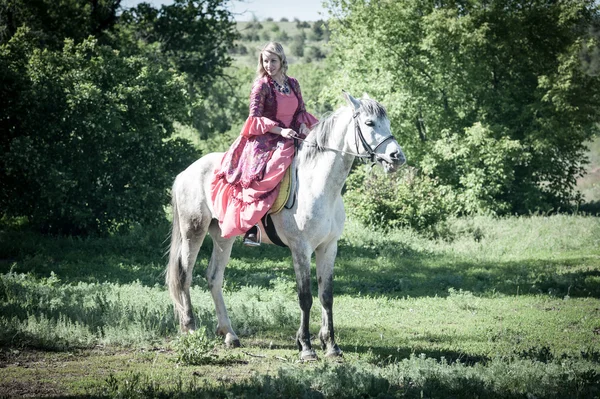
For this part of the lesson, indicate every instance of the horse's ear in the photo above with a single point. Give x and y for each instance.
(366, 96)
(353, 102)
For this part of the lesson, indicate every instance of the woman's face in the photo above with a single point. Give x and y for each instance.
(272, 64)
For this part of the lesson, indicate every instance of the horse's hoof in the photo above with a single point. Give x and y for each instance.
(232, 342)
(308, 355)
(188, 328)
(334, 353)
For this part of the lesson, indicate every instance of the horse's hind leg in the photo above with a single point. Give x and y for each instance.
(214, 275)
(188, 232)
(190, 247)
(192, 237)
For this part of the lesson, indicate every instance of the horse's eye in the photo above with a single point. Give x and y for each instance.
(370, 123)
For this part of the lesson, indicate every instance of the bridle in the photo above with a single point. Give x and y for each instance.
(371, 154)
(358, 136)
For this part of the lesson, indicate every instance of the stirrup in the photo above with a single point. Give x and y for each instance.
(253, 239)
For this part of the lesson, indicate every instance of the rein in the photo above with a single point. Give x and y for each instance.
(371, 155)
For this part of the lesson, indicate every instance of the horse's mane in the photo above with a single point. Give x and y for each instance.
(320, 131)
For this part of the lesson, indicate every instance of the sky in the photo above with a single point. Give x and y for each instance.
(304, 10)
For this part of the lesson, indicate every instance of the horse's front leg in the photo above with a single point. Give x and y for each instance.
(325, 258)
(302, 268)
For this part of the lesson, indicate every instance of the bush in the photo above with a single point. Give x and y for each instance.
(88, 141)
(315, 53)
(282, 36)
(297, 47)
(402, 199)
(251, 36)
(265, 36)
(478, 165)
(196, 348)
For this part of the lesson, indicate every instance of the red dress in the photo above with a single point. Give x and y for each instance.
(246, 183)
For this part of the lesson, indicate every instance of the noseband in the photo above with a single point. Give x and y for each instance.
(358, 135)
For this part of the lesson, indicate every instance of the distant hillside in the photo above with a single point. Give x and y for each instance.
(304, 42)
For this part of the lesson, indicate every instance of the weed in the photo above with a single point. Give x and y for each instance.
(196, 348)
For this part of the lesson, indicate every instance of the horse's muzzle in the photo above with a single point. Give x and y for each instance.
(392, 162)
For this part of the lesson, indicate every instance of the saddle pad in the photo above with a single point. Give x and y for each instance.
(284, 193)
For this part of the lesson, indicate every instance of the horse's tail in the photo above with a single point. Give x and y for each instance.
(175, 273)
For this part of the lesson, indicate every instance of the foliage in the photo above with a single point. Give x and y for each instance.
(589, 185)
(195, 348)
(190, 34)
(452, 71)
(314, 53)
(51, 23)
(89, 99)
(297, 46)
(195, 37)
(89, 152)
(406, 199)
(477, 165)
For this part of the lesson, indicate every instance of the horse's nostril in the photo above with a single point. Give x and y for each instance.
(397, 157)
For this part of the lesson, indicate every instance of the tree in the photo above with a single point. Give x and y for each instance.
(193, 35)
(91, 152)
(298, 44)
(314, 53)
(76, 19)
(317, 30)
(88, 104)
(470, 84)
(282, 36)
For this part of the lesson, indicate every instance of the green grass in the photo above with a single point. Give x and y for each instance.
(505, 308)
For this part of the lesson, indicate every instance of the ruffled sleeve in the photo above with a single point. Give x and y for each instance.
(302, 116)
(257, 123)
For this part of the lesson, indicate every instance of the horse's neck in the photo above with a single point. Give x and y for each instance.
(324, 174)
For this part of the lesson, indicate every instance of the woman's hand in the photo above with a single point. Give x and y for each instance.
(288, 133)
(304, 131)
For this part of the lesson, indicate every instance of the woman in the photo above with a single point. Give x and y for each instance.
(247, 182)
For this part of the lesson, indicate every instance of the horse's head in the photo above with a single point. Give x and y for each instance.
(372, 135)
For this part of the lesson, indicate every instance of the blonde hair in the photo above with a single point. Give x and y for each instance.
(273, 48)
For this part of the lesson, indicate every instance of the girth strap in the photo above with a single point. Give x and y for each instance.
(271, 231)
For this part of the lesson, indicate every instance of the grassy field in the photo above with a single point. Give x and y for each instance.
(496, 308)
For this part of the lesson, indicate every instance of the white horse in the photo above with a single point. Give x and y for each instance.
(313, 225)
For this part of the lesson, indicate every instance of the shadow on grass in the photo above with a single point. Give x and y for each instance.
(380, 270)
(363, 271)
(416, 377)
